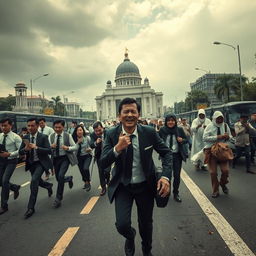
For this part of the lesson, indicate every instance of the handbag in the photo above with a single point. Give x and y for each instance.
(222, 152)
(161, 202)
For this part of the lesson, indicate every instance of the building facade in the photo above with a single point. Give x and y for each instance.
(128, 84)
(72, 108)
(206, 83)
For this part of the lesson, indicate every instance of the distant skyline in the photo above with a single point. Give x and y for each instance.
(81, 43)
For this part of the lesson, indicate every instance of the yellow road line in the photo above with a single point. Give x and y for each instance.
(88, 207)
(23, 185)
(63, 242)
(20, 165)
(234, 242)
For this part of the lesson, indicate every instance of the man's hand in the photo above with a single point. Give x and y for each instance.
(5, 154)
(199, 126)
(99, 140)
(163, 187)
(34, 146)
(28, 147)
(80, 140)
(65, 147)
(53, 145)
(179, 139)
(123, 142)
(88, 150)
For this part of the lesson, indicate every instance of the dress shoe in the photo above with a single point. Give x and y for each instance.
(224, 189)
(56, 203)
(103, 192)
(129, 246)
(70, 183)
(177, 198)
(87, 186)
(50, 190)
(29, 213)
(147, 254)
(215, 194)
(16, 192)
(249, 171)
(3, 210)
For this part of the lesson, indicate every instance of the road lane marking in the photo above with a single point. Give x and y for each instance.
(20, 165)
(234, 242)
(63, 242)
(88, 207)
(23, 185)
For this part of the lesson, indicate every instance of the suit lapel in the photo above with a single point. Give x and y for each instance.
(142, 139)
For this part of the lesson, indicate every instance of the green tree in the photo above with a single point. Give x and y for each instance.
(59, 107)
(250, 91)
(7, 103)
(194, 98)
(226, 84)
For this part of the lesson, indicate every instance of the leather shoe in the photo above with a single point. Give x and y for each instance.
(103, 192)
(29, 213)
(215, 194)
(177, 198)
(252, 172)
(129, 246)
(50, 190)
(16, 192)
(3, 210)
(87, 186)
(70, 183)
(224, 189)
(147, 254)
(56, 203)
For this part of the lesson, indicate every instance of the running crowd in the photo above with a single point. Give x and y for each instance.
(127, 147)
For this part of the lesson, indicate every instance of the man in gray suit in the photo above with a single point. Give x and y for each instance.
(130, 147)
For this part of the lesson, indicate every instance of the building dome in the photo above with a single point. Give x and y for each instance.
(127, 73)
(127, 67)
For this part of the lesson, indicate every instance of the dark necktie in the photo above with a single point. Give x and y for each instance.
(42, 130)
(218, 131)
(58, 146)
(4, 142)
(171, 141)
(79, 149)
(128, 163)
(32, 152)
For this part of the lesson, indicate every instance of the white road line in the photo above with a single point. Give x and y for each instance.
(234, 242)
(63, 242)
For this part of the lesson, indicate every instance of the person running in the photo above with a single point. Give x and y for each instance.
(84, 155)
(197, 128)
(175, 138)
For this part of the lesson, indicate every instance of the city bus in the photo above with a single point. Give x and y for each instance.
(20, 119)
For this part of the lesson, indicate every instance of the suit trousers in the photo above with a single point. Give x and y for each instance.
(177, 163)
(84, 166)
(61, 165)
(36, 171)
(224, 167)
(239, 152)
(7, 168)
(144, 199)
(104, 174)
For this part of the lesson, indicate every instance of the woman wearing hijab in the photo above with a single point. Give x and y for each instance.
(217, 131)
(83, 154)
(175, 138)
(197, 128)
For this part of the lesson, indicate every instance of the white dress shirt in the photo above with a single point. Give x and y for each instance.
(47, 130)
(12, 144)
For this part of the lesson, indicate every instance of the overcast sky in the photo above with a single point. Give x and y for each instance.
(80, 43)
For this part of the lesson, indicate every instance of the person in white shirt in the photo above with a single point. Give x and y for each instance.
(9, 151)
(197, 128)
(62, 145)
(47, 130)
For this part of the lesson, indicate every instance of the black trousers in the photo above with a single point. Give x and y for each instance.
(144, 199)
(104, 174)
(36, 171)
(7, 168)
(239, 152)
(253, 148)
(84, 166)
(61, 165)
(177, 163)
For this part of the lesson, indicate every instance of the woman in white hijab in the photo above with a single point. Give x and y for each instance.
(197, 128)
(217, 131)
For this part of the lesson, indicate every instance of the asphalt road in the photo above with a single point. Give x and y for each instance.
(179, 229)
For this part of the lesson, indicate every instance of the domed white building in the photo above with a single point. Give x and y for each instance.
(128, 84)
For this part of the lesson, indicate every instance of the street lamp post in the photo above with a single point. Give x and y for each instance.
(31, 86)
(239, 63)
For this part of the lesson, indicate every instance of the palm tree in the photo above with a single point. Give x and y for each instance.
(224, 85)
(59, 108)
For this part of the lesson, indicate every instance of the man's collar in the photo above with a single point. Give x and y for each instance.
(135, 132)
(35, 135)
(56, 134)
